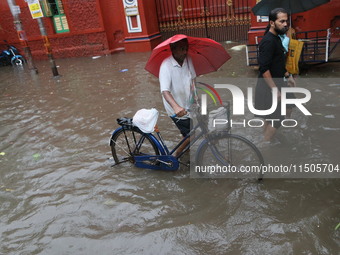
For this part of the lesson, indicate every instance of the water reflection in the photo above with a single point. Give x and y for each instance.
(59, 195)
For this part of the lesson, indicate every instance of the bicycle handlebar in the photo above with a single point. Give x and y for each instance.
(175, 115)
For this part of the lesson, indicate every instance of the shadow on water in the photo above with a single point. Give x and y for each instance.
(59, 195)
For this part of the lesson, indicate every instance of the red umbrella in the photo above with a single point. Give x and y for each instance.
(206, 54)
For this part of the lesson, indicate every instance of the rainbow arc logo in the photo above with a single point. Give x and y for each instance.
(209, 93)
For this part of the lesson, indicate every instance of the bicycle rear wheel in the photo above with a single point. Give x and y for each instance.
(230, 156)
(127, 143)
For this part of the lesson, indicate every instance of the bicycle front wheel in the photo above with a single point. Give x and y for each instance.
(125, 144)
(230, 156)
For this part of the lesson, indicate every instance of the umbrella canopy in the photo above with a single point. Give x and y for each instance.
(206, 54)
(264, 7)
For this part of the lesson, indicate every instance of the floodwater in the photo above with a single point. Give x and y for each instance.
(60, 195)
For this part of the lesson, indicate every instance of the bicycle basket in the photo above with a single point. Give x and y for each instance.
(218, 117)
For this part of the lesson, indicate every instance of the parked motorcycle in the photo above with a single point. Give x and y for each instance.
(11, 56)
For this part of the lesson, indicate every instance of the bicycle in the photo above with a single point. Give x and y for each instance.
(129, 144)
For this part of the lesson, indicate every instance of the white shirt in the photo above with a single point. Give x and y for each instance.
(177, 80)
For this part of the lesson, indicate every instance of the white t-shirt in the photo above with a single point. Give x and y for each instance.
(177, 80)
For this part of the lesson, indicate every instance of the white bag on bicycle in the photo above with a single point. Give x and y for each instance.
(145, 119)
(220, 114)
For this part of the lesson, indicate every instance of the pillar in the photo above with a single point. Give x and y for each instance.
(141, 28)
(258, 24)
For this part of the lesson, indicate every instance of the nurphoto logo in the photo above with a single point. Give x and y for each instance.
(239, 102)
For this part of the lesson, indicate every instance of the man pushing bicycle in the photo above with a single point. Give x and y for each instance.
(176, 77)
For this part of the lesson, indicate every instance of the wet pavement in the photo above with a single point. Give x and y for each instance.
(60, 195)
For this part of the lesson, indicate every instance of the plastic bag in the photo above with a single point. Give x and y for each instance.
(220, 114)
(294, 52)
(146, 119)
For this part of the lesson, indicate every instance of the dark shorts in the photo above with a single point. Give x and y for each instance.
(184, 125)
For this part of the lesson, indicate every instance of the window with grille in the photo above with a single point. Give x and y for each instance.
(55, 10)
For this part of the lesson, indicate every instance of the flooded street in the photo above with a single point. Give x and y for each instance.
(60, 195)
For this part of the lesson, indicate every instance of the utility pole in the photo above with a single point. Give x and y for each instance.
(15, 10)
(47, 46)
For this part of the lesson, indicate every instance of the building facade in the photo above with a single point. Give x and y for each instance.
(95, 27)
(74, 28)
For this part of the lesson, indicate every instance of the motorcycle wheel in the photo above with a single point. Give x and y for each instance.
(17, 62)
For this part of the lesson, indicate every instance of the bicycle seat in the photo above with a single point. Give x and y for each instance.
(125, 122)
